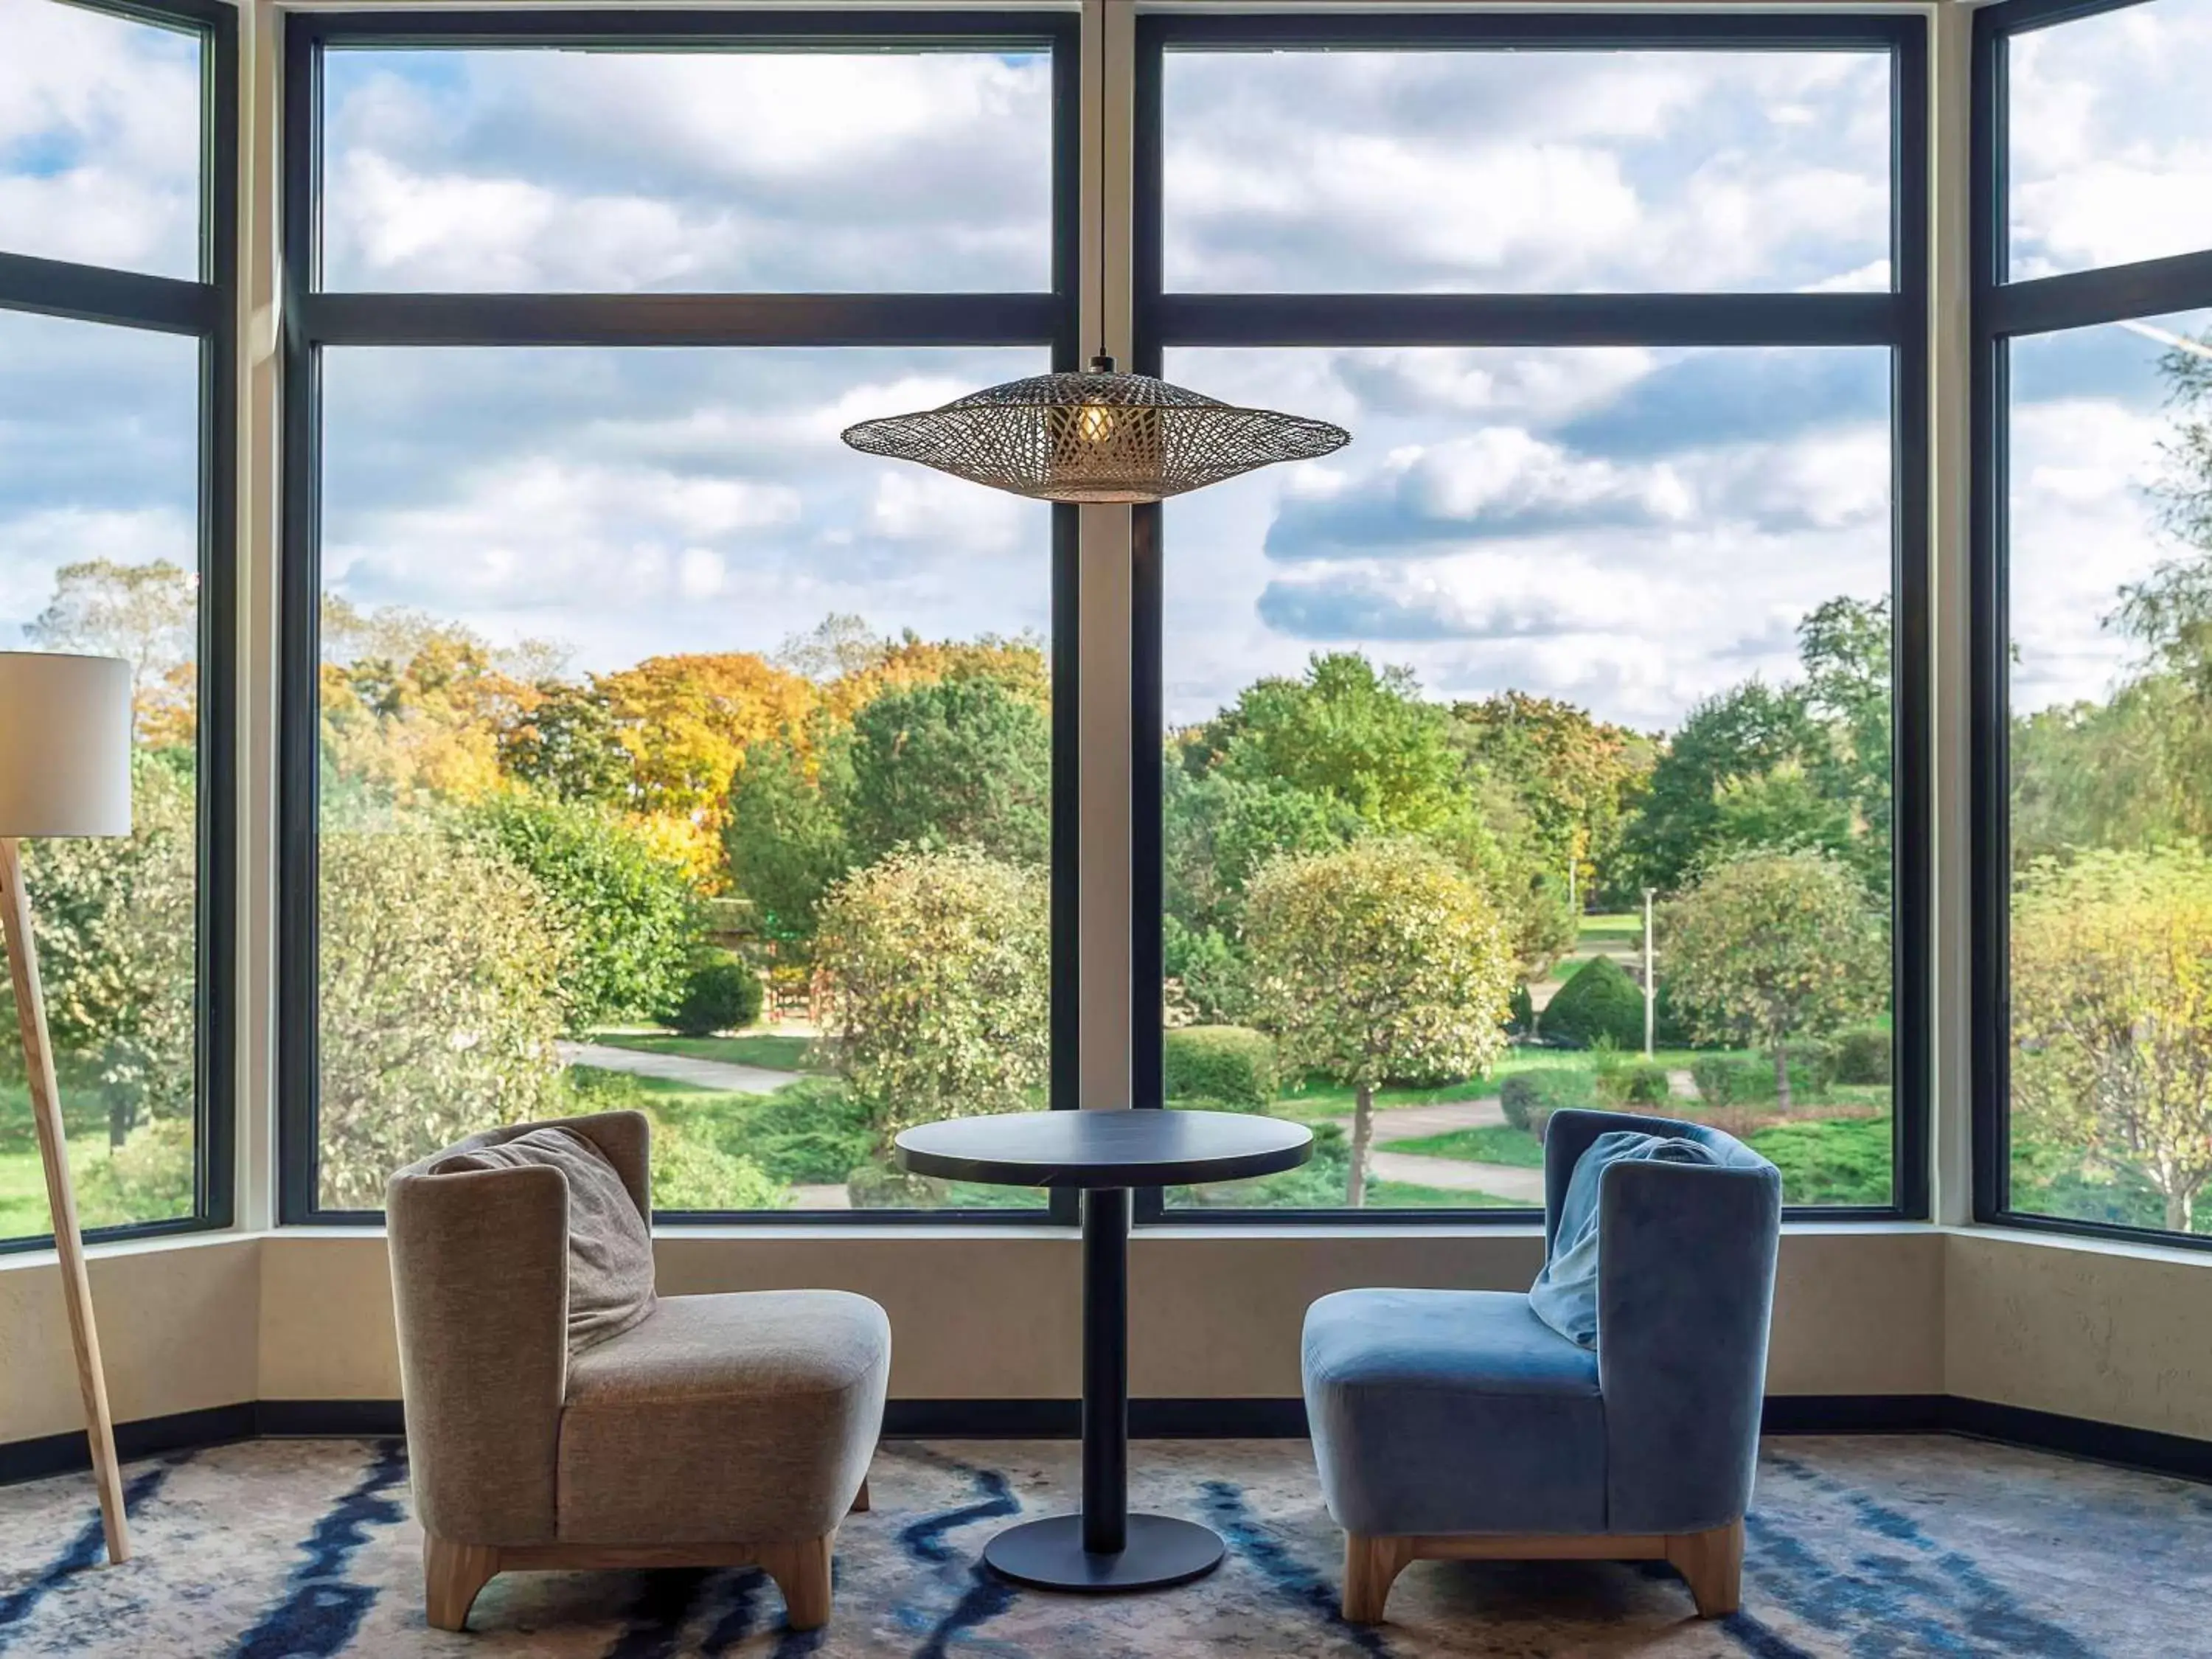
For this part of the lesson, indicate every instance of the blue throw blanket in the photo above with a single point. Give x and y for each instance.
(1564, 1295)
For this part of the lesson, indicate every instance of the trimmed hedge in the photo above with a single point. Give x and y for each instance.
(1862, 1055)
(1529, 1098)
(720, 992)
(1232, 1065)
(1637, 1083)
(1733, 1080)
(1598, 1000)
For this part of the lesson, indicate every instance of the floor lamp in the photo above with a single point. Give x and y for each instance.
(64, 771)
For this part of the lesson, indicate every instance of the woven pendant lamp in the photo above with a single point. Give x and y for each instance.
(1096, 436)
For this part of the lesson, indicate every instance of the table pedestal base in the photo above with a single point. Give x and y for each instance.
(1159, 1550)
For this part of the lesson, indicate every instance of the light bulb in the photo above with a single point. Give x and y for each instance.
(1094, 424)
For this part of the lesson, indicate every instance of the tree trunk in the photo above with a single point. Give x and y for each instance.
(1363, 1132)
(121, 1113)
(2179, 1212)
(1782, 1079)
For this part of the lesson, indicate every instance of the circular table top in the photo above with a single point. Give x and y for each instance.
(1145, 1148)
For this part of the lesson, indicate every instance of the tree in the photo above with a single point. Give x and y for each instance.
(566, 745)
(1350, 734)
(117, 926)
(2111, 1015)
(1575, 780)
(626, 914)
(1747, 732)
(438, 1003)
(1772, 949)
(940, 964)
(686, 721)
(957, 763)
(146, 614)
(784, 834)
(1380, 959)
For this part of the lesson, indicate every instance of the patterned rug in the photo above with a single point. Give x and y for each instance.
(1871, 1548)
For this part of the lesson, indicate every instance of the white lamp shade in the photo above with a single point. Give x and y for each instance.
(64, 745)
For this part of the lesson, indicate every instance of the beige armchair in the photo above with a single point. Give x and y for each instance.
(714, 1431)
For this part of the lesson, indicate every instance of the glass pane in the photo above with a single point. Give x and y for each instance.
(1561, 629)
(2111, 592)
(677, 756)
(2109, 154)
(1526, 171)
(100, 139)
(529, 171)
(100, 554)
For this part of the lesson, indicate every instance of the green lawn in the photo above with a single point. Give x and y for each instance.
(1831, 1161)
(1493, 1143)
(770, 1049)
(1620, 925)
(23, 1212)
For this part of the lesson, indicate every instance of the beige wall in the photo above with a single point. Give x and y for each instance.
(2118, 1333)
(176, 1329)
(307, 1315)
(2111, 1333)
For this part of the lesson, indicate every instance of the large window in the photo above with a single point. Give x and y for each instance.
(647, 747)
(1612, 607)
(115, 530)
(2094, 509)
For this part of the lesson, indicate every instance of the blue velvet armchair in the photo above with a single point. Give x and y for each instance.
(1455, 1424)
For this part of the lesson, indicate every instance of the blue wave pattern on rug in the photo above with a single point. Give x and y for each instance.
(88, 1549)
(323, 1610)
(927, 1542)
(1859, 1549)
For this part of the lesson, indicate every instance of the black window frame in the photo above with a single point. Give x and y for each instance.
(2004, 310)
(1898, 320)
(206, 307)
(313, 319)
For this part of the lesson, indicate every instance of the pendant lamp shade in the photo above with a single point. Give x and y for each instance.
(64, 745)
(1094, 437)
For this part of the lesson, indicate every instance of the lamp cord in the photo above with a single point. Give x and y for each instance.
(1102, 363)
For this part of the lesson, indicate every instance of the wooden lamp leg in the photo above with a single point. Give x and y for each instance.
(61, 1198)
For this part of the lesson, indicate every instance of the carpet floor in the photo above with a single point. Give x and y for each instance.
(1860, 1548)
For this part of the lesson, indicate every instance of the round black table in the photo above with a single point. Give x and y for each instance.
(1104, 1153)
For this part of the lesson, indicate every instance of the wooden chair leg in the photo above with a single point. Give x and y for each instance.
(860, 1499)
(1371, 1565)
(452, 1575)
(801, 1571)
(1712, 1562)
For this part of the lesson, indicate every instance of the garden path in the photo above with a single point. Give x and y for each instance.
(718, 1075)
(1411, 1122)
(1499, 1179)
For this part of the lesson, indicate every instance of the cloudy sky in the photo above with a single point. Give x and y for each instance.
(1632, 529)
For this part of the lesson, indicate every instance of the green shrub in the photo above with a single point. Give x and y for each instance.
(1597, 1001)
(1529, 1098)
(1720, 1079)
(807, 1133)
(1638, 1083)
(1231, 1063)
(1521, 1012)
(1670, 1022)
(624, 911)
(690, 1172)
(720, 992)
(1748, 1080)
(1862, 1055)
(148, 1178)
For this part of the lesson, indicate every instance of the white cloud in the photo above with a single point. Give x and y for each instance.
(616, 172)
(100, 139)
(2109, 156)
